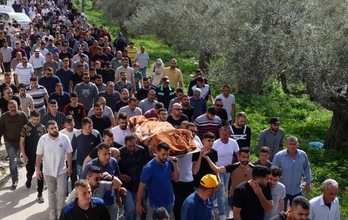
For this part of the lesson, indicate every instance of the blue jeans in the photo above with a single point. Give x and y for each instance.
(143, 71)
(113, 210)
(12, 149)
(79, 171)
(220, 195)
(129, 205)
(129, 202)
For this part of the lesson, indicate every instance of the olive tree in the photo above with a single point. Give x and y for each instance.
(323, 53)
(119, 11)
(186, 25)
(250, 42)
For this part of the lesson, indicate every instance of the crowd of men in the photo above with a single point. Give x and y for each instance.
(68, 94)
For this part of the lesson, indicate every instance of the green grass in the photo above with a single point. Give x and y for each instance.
(187, 61)
(299, 116)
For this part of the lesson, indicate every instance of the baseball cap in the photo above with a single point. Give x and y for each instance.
(209, 181)
(274, 120)
(165, 79)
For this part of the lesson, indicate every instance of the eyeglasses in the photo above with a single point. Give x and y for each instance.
(219, 105)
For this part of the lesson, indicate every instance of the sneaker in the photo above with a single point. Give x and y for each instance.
(40, 198)
(52, 215)
(28, 183)
(14, 185)
(20, 163)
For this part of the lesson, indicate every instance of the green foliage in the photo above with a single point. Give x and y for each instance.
(300, 117)
(187, 60)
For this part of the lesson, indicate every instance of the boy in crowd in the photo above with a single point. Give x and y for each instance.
(264, 153)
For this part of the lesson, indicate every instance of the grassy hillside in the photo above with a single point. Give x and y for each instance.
(299, 116)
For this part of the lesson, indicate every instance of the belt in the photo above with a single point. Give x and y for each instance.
(38, 68)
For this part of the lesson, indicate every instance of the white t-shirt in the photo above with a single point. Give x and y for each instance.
(37, 62)
(225, 151)
(53, 153)
(67, 133)
(120, 134)
(227, 102)
(278, 192)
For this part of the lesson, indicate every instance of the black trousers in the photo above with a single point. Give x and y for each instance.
(30, 166)
(181, 191)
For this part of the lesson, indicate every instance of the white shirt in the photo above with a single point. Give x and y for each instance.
(37, 62)
(119, 134)
(43, 52)
(227, 103)
(278, 193)
(198, 142)
(44, 11)
(225, 151)
(67, 133)
(319, 211)
(24, 73)
(53, 153)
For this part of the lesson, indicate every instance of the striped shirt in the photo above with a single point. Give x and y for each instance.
(59, 118)
(111, 99)
(38, 97)
(24, 73)
(205, 125)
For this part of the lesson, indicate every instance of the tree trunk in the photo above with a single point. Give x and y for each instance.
(337, 135)
(284, 82)
(124, 30)
(204, 61)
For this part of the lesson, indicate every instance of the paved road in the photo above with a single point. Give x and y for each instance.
(21, 203)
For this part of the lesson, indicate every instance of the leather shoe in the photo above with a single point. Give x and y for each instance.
(28, 183)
